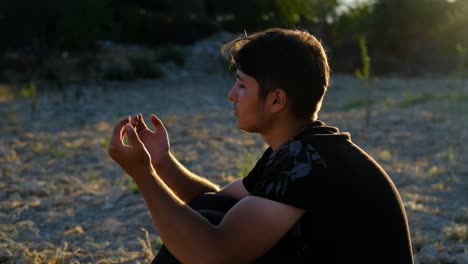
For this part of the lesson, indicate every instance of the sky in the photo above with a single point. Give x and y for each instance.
(352, 2)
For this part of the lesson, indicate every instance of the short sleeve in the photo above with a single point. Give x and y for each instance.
(290, 175)
(252, 178)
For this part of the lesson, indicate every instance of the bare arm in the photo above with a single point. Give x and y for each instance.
(235, 189)
(246, 232)
(185, 184)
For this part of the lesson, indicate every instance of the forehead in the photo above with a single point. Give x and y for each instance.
(240, 75)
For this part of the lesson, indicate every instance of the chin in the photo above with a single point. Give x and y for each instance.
(248, 129)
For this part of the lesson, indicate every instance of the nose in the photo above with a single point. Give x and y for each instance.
(232, 95)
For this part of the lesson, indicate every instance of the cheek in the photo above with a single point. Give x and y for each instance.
(241, 92)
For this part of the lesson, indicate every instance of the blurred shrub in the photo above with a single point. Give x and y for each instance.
(131, 68)
(143, 68)
(115, 72)
(82, 22)
(254, 15)
(171, 54)
(31, 92)
(51, 74)
(162, 23)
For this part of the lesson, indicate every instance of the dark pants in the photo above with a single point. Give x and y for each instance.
(213, 207)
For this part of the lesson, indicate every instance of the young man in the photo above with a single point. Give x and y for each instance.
(313, 197)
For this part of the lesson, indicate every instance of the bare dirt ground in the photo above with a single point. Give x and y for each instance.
(63, 200)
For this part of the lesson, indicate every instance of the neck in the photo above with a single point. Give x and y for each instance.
(280, 132)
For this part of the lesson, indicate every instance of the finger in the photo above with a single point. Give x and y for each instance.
(119, 132)
(132, 136)
(157, 123)
(116, 142)
(135, 121)
(122, 130)
(141, 123)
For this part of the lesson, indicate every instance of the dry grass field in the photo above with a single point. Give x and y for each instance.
(63, 200)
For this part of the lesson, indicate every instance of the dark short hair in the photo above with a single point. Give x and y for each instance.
(292, 60)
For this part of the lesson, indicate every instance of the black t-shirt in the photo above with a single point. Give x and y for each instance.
(353, 211)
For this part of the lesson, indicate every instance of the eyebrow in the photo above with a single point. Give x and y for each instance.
(238, 77)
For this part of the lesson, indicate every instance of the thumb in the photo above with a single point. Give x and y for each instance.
(132, 136)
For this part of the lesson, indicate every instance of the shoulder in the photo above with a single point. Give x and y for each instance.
(291, 174)
(296, 159)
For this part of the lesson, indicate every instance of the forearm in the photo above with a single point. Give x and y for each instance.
(189, 236)
(185, 184)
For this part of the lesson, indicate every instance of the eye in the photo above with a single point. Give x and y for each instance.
(241, 85)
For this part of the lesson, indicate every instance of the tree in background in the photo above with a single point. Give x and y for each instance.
(82, 22)
(253, 15)
(320, 15)
(351, 23)
(27, 24)
(455, 31)
(162, 22)
(38, 26)
(406, 35)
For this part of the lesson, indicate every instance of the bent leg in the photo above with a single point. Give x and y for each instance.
(165, 257)
(211, 206)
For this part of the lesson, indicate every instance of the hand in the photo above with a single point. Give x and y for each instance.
(157, 143)
(132, 157)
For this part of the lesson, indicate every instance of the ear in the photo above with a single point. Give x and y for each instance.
(278, 100)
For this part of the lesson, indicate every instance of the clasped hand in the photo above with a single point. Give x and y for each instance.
(145, 148)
